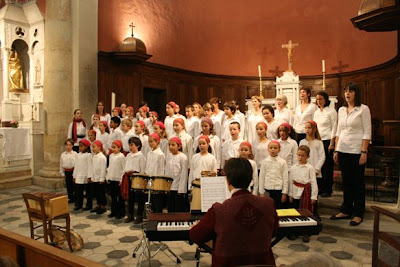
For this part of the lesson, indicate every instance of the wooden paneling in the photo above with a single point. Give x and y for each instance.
(379, 84)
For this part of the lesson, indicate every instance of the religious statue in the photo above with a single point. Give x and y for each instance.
(289, 46)
(16, 77)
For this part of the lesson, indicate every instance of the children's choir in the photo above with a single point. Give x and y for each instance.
(183, 147)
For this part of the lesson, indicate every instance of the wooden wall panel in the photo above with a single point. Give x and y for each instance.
(379, 84)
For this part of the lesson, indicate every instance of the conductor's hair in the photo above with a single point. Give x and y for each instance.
(238, 172)
(135, 140)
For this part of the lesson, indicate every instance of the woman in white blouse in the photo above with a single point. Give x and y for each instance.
(303, 113)
(326, 119)
(352, 139)
(104, 116)
(77, 129)
(282, 113)
(253, 117)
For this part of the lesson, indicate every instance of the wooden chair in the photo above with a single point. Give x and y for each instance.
(39, 215)
(386, 237)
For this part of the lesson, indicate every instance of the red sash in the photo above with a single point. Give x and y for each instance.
(68, 170)
(125, 186)
(305, 200)
(74, 130)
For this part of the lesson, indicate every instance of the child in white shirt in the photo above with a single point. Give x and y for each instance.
(169, 119)
(142, 132)
(127, 132)
(99, 167)
(193, 127)
(115, 171)
(67, 164)
(159, 128)
(177, 168)
(103, 135)
(82, 173)
(289, 146)
(115, 132)
(274, 178)
(230, 148)
(187, 140)
(260, 144)
(245, 151)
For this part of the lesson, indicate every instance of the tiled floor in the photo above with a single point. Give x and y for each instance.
(111, 242)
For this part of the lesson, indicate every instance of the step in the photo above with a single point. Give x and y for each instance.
(14, 172)
(15, 182)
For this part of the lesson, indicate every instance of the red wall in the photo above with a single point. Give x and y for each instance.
(233, 37)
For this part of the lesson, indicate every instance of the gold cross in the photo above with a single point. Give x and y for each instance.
(289, 46)
(132, 26)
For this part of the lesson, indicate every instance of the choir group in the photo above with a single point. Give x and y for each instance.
(291, 153)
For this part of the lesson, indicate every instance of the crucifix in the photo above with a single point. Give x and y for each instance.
(289, 46)
(132, 26)
(340, 68)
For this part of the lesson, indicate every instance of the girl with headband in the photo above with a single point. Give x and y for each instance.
(67, 164)
(142, 132)
(82, 173)
(169, 118)
(289, 146)
(245, 151)
(99, 166)
(159, 128)
(187, 140)
(260, 145)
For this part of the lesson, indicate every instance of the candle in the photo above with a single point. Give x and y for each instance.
(323, 65)
(259, 71)
(112, 100)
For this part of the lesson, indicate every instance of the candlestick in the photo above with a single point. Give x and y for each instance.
(323, 81)
(259, 71)
(112, 101)
(32, 118)
(323, 65)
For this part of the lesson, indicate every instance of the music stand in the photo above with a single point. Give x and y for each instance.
(145, 243)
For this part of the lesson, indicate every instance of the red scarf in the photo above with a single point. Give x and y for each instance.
(305, 201)
(74, 130)
(125, 187)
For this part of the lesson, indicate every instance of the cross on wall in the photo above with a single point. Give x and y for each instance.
(340, 68)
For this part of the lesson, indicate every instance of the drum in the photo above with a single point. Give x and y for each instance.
(59, 237)
(195, 204)
(161, 184)
(208, 174)
(139, 181)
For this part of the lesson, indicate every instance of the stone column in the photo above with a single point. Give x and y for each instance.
(57, 88)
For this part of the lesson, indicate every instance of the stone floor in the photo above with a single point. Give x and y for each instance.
(112, 242)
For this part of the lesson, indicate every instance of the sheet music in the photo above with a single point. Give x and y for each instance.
(213, 189)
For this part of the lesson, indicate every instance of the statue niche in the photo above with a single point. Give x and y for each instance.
(18, 67)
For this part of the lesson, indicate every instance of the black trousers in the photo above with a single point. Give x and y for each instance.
(70, 185)
(276, 195)
(157, 202)
(327, 170)
(140, 198)
(300, 136)
(100, 192)
(79, 190)
(353, 184)
(176, 202)
(117, 202)
(90, 187)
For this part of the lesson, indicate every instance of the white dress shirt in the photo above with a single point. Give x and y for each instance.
(80, 131)
(177, 168)
(83, 168)
(240, 116)
(104, 140)
(273, 175)
(288, 151)
(284, 115)
(254, 180)
(135, 162)
(251, 124)
(155, 162)
(230, 149)
(99, 167)
(125, 139)
(67, 161)
(272, 131)
(145, 144)
(317, 154)
(215, 145)
(169, 125)
(304, 174)
(164, 145)
(106, 118)
(116, 166)
(260, 151)
(326, 120)
(193, 126)
(115, 134)
(187, 144)
(353, 127)
(301, 118)
(225, 128)
(201, 163)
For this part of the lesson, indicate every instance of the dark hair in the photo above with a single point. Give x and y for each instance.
(142, 103)
(215, 100)
(116, 120)
(69, 140)
(87, 150)
(325, 96)
(292, 133)
(135, 140)
(76, 110)
(305, 149)
(239, 172)
(308, 90)
(270, 108)
(97, 108)
(357, 98)
(235, 122)
(231, 105)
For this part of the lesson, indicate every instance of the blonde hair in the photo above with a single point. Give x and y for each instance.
(258, 98)
(283, 98)
(201, 111)
(127, 122)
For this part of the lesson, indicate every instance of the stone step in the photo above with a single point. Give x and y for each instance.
(14, 172)
(15, 182)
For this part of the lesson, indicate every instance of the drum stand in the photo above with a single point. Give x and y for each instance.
(144, 243)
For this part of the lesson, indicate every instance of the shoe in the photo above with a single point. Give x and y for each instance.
(86, 208)
(354, 223)
(128, 219)
(95, 209)
(119, 216)
(77, 208)
(326, 195)
(334, 217)
(292, 237)
(306, 238)
(101, 211)
(138, 220)
(71, 201)
(111, 215)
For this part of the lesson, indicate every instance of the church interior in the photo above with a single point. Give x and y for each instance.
(61, 55)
